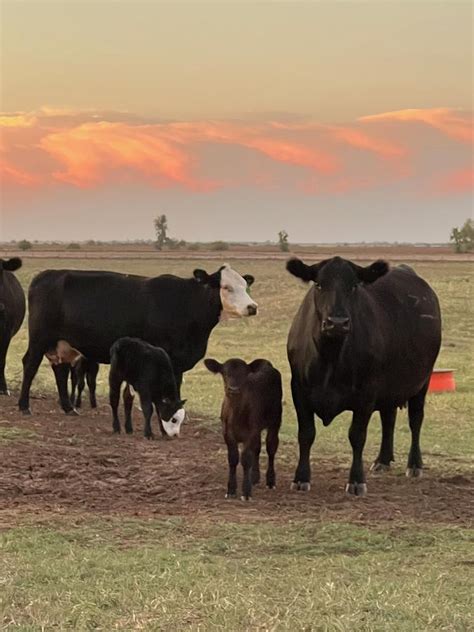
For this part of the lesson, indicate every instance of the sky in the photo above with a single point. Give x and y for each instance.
(336, 121)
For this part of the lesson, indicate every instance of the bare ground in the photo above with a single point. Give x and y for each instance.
(75, 464)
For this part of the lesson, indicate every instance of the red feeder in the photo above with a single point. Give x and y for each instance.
(442, 381)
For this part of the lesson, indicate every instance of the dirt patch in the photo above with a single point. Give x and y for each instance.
(76, 464)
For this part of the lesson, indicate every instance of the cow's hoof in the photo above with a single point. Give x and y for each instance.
(72, 413)
(271, 486)
(414, 472)
(379, 467)
(356, 489)
(5, 391)
(25, 411)
(300, 487)
(129, 430)
(230, 496)
(116, 430)
(246, 498)
(150, 436)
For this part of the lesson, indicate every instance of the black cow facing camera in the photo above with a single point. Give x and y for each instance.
(148, 370)
(363, 339)
(252, 403)
(12, 311)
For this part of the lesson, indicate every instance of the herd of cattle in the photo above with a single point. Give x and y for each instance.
(364, 339)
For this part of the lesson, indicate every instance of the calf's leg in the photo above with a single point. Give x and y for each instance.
(127, 405)
(306, 436)
(357, 437)
(233, 460)
(256, 462)
(272, 447)
(248, 456)
(385, 457)
(79, 373)
(416, 411)
(147, 409)
(115, 382)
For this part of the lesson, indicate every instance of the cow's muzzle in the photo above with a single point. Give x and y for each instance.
(336, 326)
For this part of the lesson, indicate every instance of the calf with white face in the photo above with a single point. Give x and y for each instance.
(147, 369)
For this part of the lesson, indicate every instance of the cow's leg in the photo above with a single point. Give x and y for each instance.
(272, 447)
(385, 457)
(248, 457)
(31, 362)
(115, 382)
(91, 376)
(233, 460)
(306, 436)
(147, 408)
(74, 387)
(61, 373)
(81, 383)
(4, 344)
(256, 461)
(128, 405)
(357, 437)
(416, 411)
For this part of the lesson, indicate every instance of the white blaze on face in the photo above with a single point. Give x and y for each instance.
(173, 425)
(234, 296)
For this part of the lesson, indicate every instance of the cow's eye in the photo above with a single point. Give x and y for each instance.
(227, 288)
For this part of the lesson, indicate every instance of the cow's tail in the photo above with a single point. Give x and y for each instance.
(10, 265)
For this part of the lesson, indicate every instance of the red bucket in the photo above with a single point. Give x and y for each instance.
(442, 381)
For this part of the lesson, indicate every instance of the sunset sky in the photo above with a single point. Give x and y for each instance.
(340, 121)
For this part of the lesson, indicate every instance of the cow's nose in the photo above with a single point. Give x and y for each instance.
(252, 310)
(336, 323)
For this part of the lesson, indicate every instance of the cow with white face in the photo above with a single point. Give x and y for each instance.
(93, 309)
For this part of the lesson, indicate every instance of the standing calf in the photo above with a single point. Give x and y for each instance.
(148, 370)
(252, 403)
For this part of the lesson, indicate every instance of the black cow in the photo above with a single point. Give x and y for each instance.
(364, 339)
(12, 311)
(91, 310)
(148, 370)
(252, 403)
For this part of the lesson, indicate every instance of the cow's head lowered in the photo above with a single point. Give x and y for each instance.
(336, 282)
(232, 287)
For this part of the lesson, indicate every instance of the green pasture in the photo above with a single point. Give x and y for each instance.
(86, 572)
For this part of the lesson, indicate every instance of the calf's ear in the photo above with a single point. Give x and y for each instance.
(258, 364)
(213, 365)
(371, 273)
(249, 279)
(201, 276)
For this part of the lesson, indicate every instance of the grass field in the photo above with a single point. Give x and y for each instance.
(400, 559)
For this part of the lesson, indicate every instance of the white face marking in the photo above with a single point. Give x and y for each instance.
(173, 425)
(234, 296)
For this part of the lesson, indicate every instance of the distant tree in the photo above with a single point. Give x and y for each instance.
(73, 246)
(24, 244)
(463, 238)
(219, 245)
(161, 229)
(283, 241)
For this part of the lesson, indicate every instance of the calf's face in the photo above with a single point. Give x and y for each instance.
(336, 282)
(233, 291)
(235, 373)
(172, 415)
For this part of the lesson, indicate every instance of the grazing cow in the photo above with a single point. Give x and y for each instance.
(94, 309)
(12, 311)
(252, 403)
(363, 339)
(84, 370)
(149, 371)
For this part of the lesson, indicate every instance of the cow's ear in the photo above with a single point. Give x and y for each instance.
(249, 279)
(183, 401)
(11, 264)
(213, 365)
(299, 269)
(258, 364)
(201, 276)
(371, 273)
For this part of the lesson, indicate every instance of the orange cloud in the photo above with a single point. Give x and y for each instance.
(461, 181)
(453, 123)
